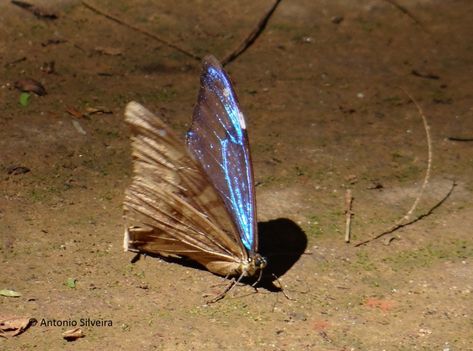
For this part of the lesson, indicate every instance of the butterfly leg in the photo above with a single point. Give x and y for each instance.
(230, 286)
(223, 282)
(280, 287)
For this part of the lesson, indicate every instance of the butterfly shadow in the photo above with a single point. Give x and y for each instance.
(282, 242)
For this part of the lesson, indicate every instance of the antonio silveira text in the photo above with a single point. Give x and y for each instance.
(82, 322)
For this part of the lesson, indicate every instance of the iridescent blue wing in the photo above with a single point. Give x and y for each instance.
(219, 142)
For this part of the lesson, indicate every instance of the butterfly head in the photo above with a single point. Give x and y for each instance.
(255, 264)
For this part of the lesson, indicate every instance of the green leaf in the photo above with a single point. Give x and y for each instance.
(24, 99)
(9, 293)
(71, 283)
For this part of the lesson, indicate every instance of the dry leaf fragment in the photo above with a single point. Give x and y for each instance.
(9, 293)
(14, 326)
(53, 42)
(94, 110)
(30, 85)
(81, 130)
(109, 51)
(73, 334)
(89, 111)
(48, 67)
(38, 11)
(74, 112)
(15, 170)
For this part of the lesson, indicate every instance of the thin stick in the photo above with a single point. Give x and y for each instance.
(407, 216)
(459, 139)
(429, 160)
(418, 218)
(404, 11)
(251, 38)
(348, 214)
(142, 31)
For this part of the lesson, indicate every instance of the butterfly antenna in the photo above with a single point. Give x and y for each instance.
(280, 287)
(258, 280)
(136, 258)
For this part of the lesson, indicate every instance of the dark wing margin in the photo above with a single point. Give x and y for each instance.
(170, 207)
(218, 140)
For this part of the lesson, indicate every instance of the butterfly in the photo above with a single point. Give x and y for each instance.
(197, 200)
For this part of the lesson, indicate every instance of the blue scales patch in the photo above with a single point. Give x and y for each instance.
(218, 140)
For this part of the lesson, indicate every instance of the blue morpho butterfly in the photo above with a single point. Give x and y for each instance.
(197, 203)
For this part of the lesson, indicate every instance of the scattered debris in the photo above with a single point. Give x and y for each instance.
(251, 38)
(29, 85)
(351, 179)
(97, 110)
(74, 112)
(89, 111)
(139, 30)
(73, 334)
(459, 139)
(387, 240)
(348, 214)
(11, 63)
(444, 101)
(78, 127)
(38, 11)
(404, 11)
(53, 42)
(324, 336)
(375, 186)
(400, 223)
(337, 19)
(424, 332)
(425, 75)
(307, 40)
(48, 67)
(109, 51)
(14, 326)
(9, 293)
(405, 220)
(346, 110)
(71, 283)
(15, 170)
(24, 99)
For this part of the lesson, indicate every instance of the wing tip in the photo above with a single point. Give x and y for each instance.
(211, 60)
(133, 109)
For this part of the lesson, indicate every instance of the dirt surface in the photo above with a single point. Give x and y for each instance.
(325, 113)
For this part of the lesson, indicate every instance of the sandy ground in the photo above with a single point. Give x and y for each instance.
(325, 112)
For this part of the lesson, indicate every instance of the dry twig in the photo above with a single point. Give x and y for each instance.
(459, 139)
(405, 220)
(142, 31)
(247, 42)
(348, 214)
(251, 38)
(404, 11)
(418, 218)
(38, 11)
(429, 160)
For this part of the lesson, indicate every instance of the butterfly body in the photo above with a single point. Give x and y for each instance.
(197, 201)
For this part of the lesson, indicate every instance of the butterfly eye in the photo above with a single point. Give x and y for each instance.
(260, 262)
